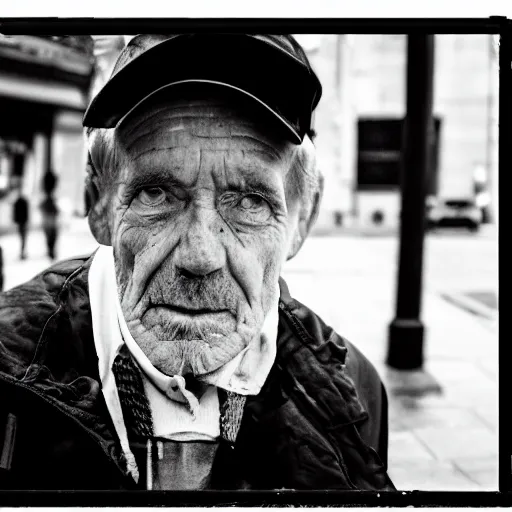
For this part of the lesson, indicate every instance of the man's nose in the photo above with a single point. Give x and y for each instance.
(200, 251)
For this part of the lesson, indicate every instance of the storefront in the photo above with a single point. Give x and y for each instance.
(42, 81)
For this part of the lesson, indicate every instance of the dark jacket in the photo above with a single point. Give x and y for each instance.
(319, 422)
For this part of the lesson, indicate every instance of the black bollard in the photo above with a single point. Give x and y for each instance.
(406, 331)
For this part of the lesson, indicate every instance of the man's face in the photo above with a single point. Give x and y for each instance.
(200, 231)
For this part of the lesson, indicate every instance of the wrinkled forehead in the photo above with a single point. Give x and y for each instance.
(215, 120)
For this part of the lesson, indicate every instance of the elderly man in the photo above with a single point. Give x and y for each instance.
(174, 357)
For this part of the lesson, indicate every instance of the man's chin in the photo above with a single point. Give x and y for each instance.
(196, 356)
(180, 344)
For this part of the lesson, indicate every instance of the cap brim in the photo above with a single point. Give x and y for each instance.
(292, 134)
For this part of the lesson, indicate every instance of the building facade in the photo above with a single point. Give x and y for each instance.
(359, 122)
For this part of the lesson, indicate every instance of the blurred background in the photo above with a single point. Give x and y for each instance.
(443, 416)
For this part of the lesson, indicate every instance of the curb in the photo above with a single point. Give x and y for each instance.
(394, 232)
(471, 305)
(354, 232)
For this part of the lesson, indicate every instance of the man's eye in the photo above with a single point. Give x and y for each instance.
(252, 201)
(151, 196)
(253, 209)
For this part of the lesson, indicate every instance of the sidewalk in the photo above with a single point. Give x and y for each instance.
(443, 441)
(438, 441)
(452, 436)
(74, 240)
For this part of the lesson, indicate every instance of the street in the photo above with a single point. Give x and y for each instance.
(445, 439)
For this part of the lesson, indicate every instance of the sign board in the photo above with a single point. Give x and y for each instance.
(42, 51)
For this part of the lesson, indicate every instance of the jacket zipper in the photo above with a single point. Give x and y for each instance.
(75, 420)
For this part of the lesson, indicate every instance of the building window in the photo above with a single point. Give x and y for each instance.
(379, 154)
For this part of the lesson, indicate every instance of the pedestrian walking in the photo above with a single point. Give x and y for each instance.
(20, 217)
(49, 182)
(50, 214)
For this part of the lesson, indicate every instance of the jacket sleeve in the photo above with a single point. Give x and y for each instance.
(373, 396)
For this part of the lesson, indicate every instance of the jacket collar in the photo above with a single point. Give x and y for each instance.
(315, 356)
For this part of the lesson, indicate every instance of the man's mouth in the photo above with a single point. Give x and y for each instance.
(189, 320)
(188, 310)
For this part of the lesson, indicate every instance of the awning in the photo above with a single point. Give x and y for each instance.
(42, 91)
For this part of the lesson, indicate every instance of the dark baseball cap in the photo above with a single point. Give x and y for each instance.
(273, 70)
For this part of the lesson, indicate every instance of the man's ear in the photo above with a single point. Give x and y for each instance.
(97, 215)
(307, 217)
(309, 205)
(97, 205)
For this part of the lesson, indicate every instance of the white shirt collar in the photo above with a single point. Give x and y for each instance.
(108, 341)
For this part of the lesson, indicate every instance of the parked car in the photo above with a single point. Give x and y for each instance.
(463, 212)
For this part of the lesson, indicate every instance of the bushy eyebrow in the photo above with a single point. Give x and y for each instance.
(154, 177)
(151, 177)
(252, 182)
(269, 193)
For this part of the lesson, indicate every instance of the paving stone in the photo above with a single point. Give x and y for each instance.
(395, 424)
(466, 394)
(473, 394)
(416, 383)
(426, 401)
(488, 298)
(430, 475)
(467, 302)
(405, 446)
(449, 443)
(456, 371)
(489, 365)
(482, 470)
(447, 417)
(488, 414)
(487, 480)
